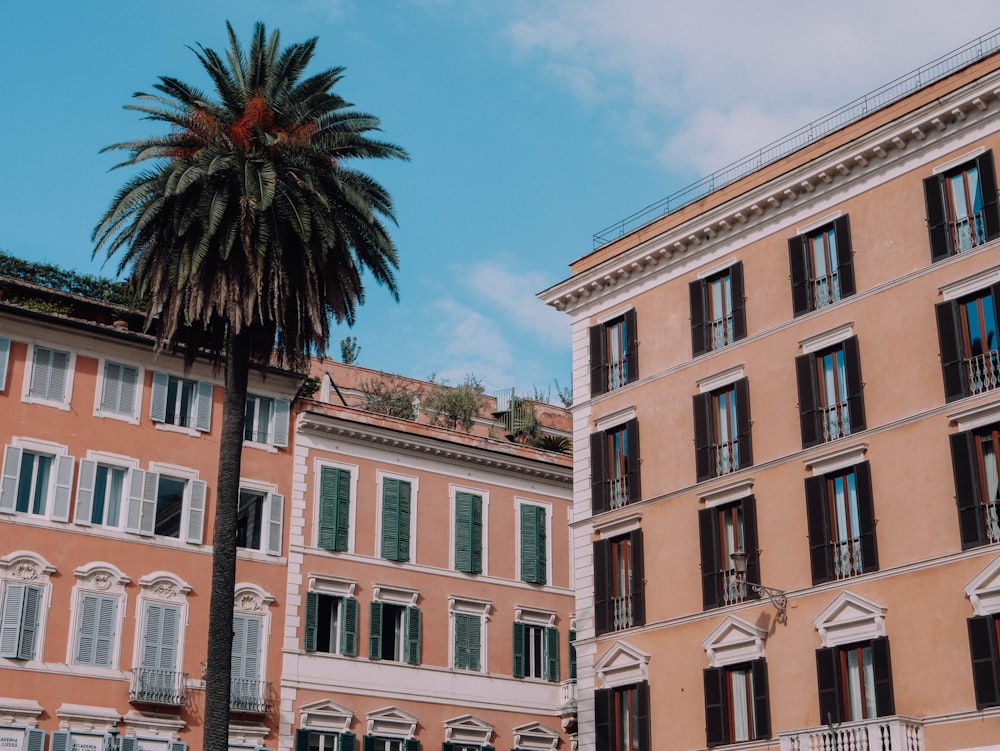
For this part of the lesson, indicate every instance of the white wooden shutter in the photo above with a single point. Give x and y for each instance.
(4, 357)
(86, 630)
(282, 410)
(111, 398)
(29, 622)
(159, 638)
(196, 512)
(8, 483)
(158, 399)
(105, 636)
(141, 515)
(60, 741)
(63, 487)
(10, 622)
(129, 743)
(85, 491)
(203, 406)
(276, 508)
(34, 739)
(41, 367)
(57, 377)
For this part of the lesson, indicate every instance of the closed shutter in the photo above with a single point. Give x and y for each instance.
(704, 460)
(809, 417)
(177, 746)
(390, 519)
(950, 341)
(247, 632)
(602, 586)
(4, 357)
(141, 515)
(967, 490)
(282, 411)
(302, 739)
(349, 627)
(739, 302)
(711, 567)
(632, 460)
(85, 491)
(196, 512)
(937, 217)
(533, 559)
(716, 712)
(158, 399)
(761, 704)
(469, 533)
(8, 482)
(603, 714)
(855, 399)
(335, 505)
(866, 517)
(985, 660)
(988, 187)
(828, 680)
(818, 524)
(743, 423)
(375, 631)
(348, 742)
(572, 655)
(551, 654)
(34, 739)
(881, 667)
(276, 510)
(368, 743)
(467, 641)
(845, 256)
(598, 361)
(203, 406)
(119, 388)
(310, 627)
(60, 741)
(63, 490)
(159, 639)
(129, 743)
(411, 644)
(19, 621)
(96, 630)
(599, 480)
(638, 579)
(699, 312)
(519, 643)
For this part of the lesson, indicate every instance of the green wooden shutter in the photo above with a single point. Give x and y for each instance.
(411, 744)
(519, 649)
(279, 417)
(203, 406)
(390, 519)
(375, 631)
(343, 508)
(461, 641)
(301, 739)
(533, 544)
(411, 645)
(463, 532)
(572, 655)
(348, 742)
(404, 521)
(552, 654)
(335, 506)
(349, 627)
(309, 630)
(477, 534)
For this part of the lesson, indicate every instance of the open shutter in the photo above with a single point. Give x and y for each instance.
(710, 565)
(631, 348)
(699, 312)
(390, 519)
(642, 714)
(950, 341)
(349, 627)
(8, 483)
(34, 739)
(761, 705)
(375, 631)
(60, 741)
(551, 654)
(704, 463)
(739, 303)
(818, 523)
(967, 490)
(572, 654)
(282, 410)
(805, 376)
(203, 406)
(866, 517)
(276, 510)
(411, 645)
(518, 649)
(985, 660)
(881, 667)
(716, 713)
(4, 357)
(343, 509)
(598, 361)
(743, 422)
(632, 460)
(599, 481)
(798, 265)
(158, 399)
(937, 218)
(750, 544)
(141, 516)
(327, 535)
(310, 627)
(85, 491)
(29, 623)
(63, 488)
(988, 186)
(111, 397)
(196, 512)
(828, 680)
(845, 256)
(348, 742)
(302, 739)
(10, 623)
(86, 631)
(602, 586)
(638, 579)
(603, 712)
(855, 399)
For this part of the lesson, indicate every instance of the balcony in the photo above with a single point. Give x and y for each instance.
(619, 491)
(881, 734)
(836, 421)
(162, 687)
(984, 371)
(248, 696)
(727, 457)
(622, 609)
(968, 232)
(826, 290)
(722, 332)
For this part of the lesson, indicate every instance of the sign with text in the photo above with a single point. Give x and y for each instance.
(11, 739)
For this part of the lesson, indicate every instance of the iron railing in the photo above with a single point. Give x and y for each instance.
(619, 491)
(622, 607)
(727, 457)
(847, 561)
(836, 421)
(251, 696)
(891, 92)
(984, 371)
(165, 687)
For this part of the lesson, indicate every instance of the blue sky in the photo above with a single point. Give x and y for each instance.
(531, 126)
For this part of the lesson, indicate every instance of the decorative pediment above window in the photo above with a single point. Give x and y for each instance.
(622, 665)
(148, 725)
(534, 616)
(850, 618)
(392, 722)
(251, 598)
(470, 605)
(827, 338)
(984, 589)
(332, 585)
(839, 458)
(326, 715)
(81, 718)
(468, 729)
(26, 566)
(733, 641)
(535, 737)
(23, 712)
(618, 526)
(396, 595)
(102, 576)
(247, 734)
(163, 585)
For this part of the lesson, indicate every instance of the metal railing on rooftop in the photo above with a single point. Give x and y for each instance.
(969, 53)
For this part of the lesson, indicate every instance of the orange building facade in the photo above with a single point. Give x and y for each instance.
(803, 551)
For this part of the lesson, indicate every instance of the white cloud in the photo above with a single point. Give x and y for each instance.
(515, 296)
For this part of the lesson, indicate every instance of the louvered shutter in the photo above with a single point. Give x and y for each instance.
(475, 647)
(699, 312)
(572, 655)
(711, 567)
(111, 398)
(761, 704)
(598, 361)
(368, 743)
(937, 217)
(988, 186)
(246, 647)
(463, 532)
(638, 579)
(828, 680)
(177, 746)
(63, 490)
(105, 638)
(799, 267)
(280, 416)
(411, 744)
(129, 743)
(985, 660)
(632, 460)
(845, 256)
(349, 627)
(390, 519)
(85, 491)
(310, 626)
(411, 645)
(855, 399)
(327, 535)
(57, 377)
(158, 399)
(739, 302)
(34, 739)
(631, 348)
(4, 357)
(743, 423)
(196, 512)
(551, 654)
(8, 483)
(750, 545)
(41, 367)
(642, 715)
(302, 739)
(375, 631)
(343, 509)
(716, 712)
(599, 480)
(405, 492)
(533, 563)
(477, 534)
(203, 406)
(809, 416)
(704, 460)
(967, 490)
(818, 524)
(602, 586)
(159, 641)
(86, 630)
(276, 510)
(10, 620)
(603, 714)
(29, 622)
(881, 667)
(866, 517)
(518, 649)
(60, 741)
(141, 515)
(951, 342)
(348, 742)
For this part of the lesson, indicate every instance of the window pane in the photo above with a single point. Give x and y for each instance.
(169, 506)
(249, 519)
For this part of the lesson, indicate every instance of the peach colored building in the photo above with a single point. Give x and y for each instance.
(804, 550)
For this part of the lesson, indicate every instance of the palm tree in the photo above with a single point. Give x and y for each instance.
(246, 232)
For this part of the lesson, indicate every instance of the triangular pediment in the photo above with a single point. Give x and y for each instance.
(326, 715)
(535, 736)
(468, 729)
(622, 664)
(984, 589)
(850, 618)
(392, 721)
(733, 641)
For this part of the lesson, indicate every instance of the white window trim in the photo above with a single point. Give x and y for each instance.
(326, 716)
(518, 503)
(391, 722)
(958, 160)
(979, 282)
(827, 338)
(253, 600)
(618, 526)
(734, 641)
(267, 488)
(978, 416)
(727, 493)
(181, 473)
(50, 448)
(272, 424)
(352, 526)
(821, 222)
(606, 317)
(718, 380)
(395, 595)
(380, 476)
(850, 618)
(332, 585)
(29, 364)
(469, 606)
(102, 579)
(535, 616)
(842, 458)
(4, 367)
(161, 588)
(535, 737)
(718, 268)
(171, 428)
(28, 567)
(140, 378)
(117, 461)
(621, 665)
(468, 729)
(615, 419)
(453, 490)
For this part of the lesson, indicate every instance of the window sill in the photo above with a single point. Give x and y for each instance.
(260, 446)
(28, 399)
(130, 419)
(171, 428)
(249, 554)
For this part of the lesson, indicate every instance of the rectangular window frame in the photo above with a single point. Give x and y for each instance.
(271, 517)
(722, 430)
(143, 512)
(342, 636)
(47, 394)
(59, 480)
(834, 687)
(818, 421)
(814, 287)
(613, 353)
(467, 631)
(721, 725)
(614, 472)
(129, 395)
(471, 530)
(22, 613)
(978, 511)
(164, 410)
(400, 546)
(837, 558)
(720, 584)
(710, 333)
(271, 432)
(334, 516)
(964, 371)
(619, 583)
(948, 233)
(533, 541)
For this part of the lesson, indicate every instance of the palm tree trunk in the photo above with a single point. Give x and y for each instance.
(220, 617)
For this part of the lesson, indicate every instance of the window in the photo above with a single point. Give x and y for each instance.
(19, 621)
(4, 357)
(822, 266)
(316, 740)
(572, 654)
(536, 651)
(614, 462)
(468, 532)
(622, 718)
(736, 705)
(718, 317)
(118, 391)
(468, 638)
(984, 647)
(248, 693)
(831, 405)
(395, 633)
(855, 681)
(266, 420)
(258, 521)
(49, 375)
(724, 530)
(722, 430)
(36, 483)
(967, 333)
(95, 630)
(334, 508)
(379, 743)
(962, 207)
(977, 488)
(618, 583)
(181, 402)
(841, 520)
(533, 541)
(156, 678)
(331, 624)
(396, 519)
(613, 355)
(160, 504)
(100, 494)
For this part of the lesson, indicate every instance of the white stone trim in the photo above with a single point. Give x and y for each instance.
(984, 589)
(352, 513)
(718, 268)
(605, 528)
(395, 595)
(133, 418)
(29, 364)
(727, 493)
(718, 380)
(547, 505)
(613, 420)
(978, 416)
(392, 722)
(21, 712)
(467, 728)
(326, 715)
(734, 641)
(958, 160)
(974, 283)
(453, 490)
(332, 585)
(850, 618)
(535, 616)
(621, 665)
(840, 458)
(251, 599)
(617, 313)
(535, 736)
(821, 222)
(827, 338)
(81, 718)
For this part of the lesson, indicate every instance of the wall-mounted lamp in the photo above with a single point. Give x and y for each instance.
(111, 740)
(777, 598)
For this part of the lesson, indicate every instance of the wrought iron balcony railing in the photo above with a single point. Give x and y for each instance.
(623, 617)
(164, 687)
(984, 372)
(250, 696)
